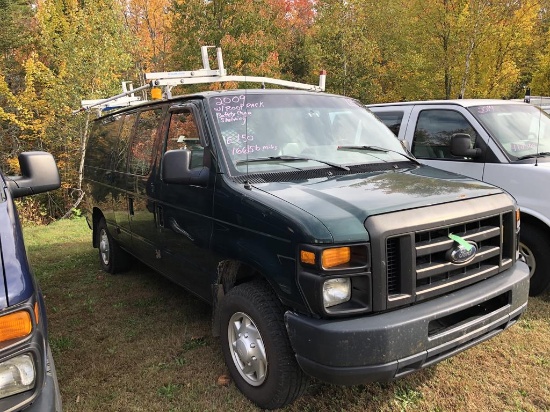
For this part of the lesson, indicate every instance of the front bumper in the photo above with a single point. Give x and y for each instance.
(389, 345)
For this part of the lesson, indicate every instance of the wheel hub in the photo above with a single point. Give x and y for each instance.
(247, 349)
(104, 247)
(528, 258)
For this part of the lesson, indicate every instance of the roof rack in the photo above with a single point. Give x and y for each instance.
(126, 98)
(167, 80)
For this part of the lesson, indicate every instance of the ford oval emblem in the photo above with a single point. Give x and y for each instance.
(462, 254)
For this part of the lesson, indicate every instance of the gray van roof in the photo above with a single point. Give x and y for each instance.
(458, 102)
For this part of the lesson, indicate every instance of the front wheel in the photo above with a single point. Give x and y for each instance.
(256, 348)
(534, 247)
(111, 257)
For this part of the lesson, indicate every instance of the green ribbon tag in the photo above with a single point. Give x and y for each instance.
(460, 241)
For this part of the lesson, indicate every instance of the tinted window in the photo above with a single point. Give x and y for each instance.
(432, 136)
(391, 119)
(143, 141)
(121, 153)
(103, 138)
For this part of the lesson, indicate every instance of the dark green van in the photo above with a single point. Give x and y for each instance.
(325, 248)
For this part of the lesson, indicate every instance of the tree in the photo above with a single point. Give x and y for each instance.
(86, 46)
(148, 22)
(504, 44)
(343, 47)
(252, 34)
(536, 73)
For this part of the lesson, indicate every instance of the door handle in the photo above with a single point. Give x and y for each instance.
(160, 216)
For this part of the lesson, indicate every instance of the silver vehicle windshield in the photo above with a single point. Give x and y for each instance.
(522, 130)
(277, 131)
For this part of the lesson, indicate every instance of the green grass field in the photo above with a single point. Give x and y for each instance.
(136, 342)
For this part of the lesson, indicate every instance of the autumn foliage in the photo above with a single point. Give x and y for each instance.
(54, 53)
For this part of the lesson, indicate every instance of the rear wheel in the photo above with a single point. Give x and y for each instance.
(111, 257)
(534, 247)
(256, 348)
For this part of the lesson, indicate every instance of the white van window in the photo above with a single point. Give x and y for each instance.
(433, 132)
(392, 119)
(522, 130)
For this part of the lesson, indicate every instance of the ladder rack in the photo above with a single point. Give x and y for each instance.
(167, 80)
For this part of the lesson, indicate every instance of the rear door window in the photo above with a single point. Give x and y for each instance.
(391, 119)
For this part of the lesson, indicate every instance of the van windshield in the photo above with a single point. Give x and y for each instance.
(277, 131)
(522, 130)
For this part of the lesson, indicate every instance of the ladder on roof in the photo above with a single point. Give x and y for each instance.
(167, 80)
(126, 98)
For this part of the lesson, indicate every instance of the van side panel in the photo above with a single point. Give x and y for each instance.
(98, 167)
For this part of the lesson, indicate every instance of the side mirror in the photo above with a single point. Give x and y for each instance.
(38, 174)
(460, 146)
(175, 169)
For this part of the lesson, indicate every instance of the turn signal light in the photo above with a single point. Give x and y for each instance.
(15, 325)
(37, 313)
(307, 257)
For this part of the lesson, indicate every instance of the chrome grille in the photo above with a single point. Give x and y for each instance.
(434, 273)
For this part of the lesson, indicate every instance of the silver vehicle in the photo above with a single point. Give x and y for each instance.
(501, 142)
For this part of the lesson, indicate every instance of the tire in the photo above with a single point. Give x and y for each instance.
(256, 348)
(534, 247)
(111, 257)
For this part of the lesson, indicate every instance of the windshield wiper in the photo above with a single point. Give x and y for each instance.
(285, 158)
(541, 154)
(378, 149)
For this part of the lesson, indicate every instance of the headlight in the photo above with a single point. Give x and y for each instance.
(17, 375)
(336, 291)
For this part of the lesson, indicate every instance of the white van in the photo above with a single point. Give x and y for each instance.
(501, 142)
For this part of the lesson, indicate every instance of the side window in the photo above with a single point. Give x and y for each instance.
(121, 153)
(432, 136)
(144, 140)
(391, 119)
(183, 133)
(102, 140)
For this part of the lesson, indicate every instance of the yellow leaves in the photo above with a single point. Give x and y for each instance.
(29, 109)
(13, 164)
(10, 107)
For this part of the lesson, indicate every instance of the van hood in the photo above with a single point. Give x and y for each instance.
(343, 203)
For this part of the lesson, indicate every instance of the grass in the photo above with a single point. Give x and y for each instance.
(136, 342)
